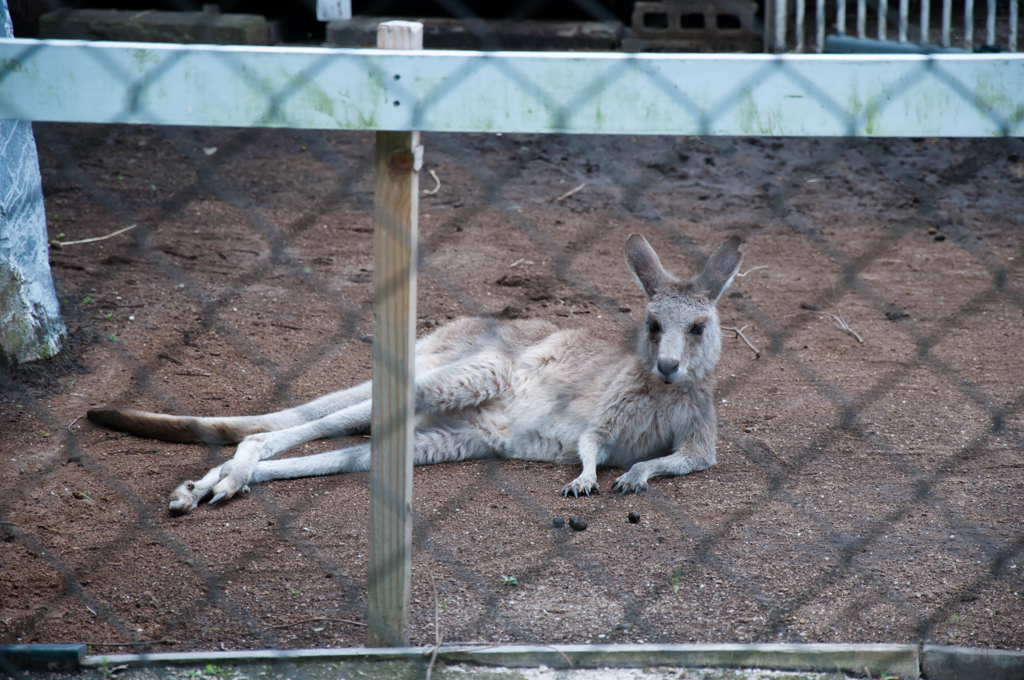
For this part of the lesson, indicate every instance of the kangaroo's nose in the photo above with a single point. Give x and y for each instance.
(668, 366)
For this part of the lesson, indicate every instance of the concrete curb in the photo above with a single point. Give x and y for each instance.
(933, 662)
(967, 663)
(894, 660)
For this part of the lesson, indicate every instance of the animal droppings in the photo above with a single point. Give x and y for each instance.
(634, 517)
(577, 524)
(558, 522)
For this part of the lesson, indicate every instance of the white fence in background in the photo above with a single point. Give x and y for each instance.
(786, 27)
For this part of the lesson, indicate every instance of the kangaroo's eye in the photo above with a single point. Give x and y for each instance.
(653, 327)
(697, 329)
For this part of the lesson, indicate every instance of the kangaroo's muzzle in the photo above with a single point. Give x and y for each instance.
(667, 369)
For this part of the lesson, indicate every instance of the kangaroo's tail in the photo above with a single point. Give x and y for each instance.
(182, 429)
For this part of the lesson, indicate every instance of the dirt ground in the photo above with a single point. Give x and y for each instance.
(865, 491)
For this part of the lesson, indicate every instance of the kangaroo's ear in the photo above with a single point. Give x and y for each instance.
(720, 268)
(645, 265)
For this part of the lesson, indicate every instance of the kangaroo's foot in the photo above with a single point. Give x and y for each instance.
(189, 495)
(634, 480)
(185, 498)
(223, 481)
(236, 474)
(585, 483)
(234, 478)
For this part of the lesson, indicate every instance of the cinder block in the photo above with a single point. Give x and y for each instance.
(702, 25)
(208, 26)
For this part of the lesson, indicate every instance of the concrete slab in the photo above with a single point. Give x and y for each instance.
(207, 27)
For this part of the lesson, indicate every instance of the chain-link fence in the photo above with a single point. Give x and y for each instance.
(869, 482)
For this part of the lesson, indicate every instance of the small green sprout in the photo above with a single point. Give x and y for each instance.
(509, 580)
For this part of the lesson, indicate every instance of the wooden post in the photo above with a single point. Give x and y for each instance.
(397, 162)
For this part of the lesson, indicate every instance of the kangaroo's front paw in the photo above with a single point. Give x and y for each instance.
(185, 498)
(631, 481)
(583, 484)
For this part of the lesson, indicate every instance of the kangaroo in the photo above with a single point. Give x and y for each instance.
(520, 389)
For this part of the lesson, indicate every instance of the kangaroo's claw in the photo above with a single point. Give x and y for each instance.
(578, 486)
(624, 487)
(222, 494)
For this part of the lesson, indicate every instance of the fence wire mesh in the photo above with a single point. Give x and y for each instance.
(869, 483)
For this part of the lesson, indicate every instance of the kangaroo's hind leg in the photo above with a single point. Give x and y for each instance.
(353, 459)
(442, 390)
(224, 481)
(430, 446)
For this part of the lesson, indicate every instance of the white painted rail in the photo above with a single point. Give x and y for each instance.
(595, 93)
